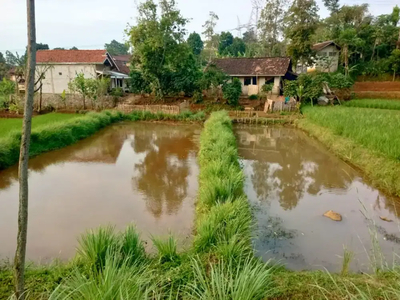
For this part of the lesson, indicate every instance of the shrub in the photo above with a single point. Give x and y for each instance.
(166, 249)
(247, 279)
(253, 97)
(232, 91)
(266, 88)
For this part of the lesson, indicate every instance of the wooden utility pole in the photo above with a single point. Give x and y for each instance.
(19, 261)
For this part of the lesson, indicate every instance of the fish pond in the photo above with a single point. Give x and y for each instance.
(141, 173)
(291, 181)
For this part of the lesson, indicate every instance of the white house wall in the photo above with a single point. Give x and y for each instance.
(334, 59)
(58, 76)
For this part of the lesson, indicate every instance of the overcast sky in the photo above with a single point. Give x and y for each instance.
(88, 24)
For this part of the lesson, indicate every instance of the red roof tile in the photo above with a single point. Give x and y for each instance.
(71, 56)
(268, 66)
(122, 62)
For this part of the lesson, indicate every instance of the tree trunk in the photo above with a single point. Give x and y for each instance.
(40, 98)
(19, 262)
(84, 103)
(346, 60)
(398, 41)
(394, 75)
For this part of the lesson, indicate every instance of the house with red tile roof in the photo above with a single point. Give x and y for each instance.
(62, 66)
(254, 72)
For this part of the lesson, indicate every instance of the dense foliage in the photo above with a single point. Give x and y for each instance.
(308, 87)
(232, 91)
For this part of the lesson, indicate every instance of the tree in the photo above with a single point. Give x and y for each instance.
(195, 43)
(79, 85)
(395, 62)
(209, 32)
(116, 48)
(159, 46)
(40, 46)
(301, 22)
(225, 40)
(271, 24)
(19, 262)
(332, 5)
(348, 39)
(74, 48)
(59, 48)
(238, 47)
(40, 76)
(3, 67)
(249, 37)
(232, 91)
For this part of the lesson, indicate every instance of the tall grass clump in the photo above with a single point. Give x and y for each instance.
(247, 279)
(166, 249)
(96, 245)
(117, 281)
(374, 103)
(367, 138)
(224, 218)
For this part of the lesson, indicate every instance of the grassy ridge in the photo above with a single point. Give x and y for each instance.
(9, 125)
(374, 103)
(60, 130)
(368, 139)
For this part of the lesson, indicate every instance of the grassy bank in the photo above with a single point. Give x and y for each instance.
(7, 126)
(374, 103)
(368, 139)
(54, 131)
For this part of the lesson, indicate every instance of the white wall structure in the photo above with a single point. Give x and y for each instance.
(58, 76)
(62, 66)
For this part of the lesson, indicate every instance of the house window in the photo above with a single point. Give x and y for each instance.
(324, 54)
(332, 53)
(247, 80)
(59, 73)
(254, 80)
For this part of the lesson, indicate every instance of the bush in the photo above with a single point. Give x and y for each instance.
(232, 91)
(253, 97)
(266, 88)
(117, 92)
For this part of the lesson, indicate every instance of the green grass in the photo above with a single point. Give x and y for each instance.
(15, 124)
(374, 103)
(375, 130)
(367, 138)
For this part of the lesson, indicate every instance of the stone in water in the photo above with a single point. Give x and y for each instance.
(333, 215)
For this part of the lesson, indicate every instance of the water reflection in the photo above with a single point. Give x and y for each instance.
(138, 172)
(162, 175)
(292, 180)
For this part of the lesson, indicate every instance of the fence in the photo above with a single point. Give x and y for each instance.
(167, 109)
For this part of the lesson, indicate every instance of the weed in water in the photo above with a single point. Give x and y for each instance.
(347, 256)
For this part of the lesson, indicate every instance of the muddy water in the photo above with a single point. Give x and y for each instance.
(144, 173)
(291, 181)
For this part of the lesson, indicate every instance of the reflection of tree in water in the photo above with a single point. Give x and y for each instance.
(162, 175)
(287, 165)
